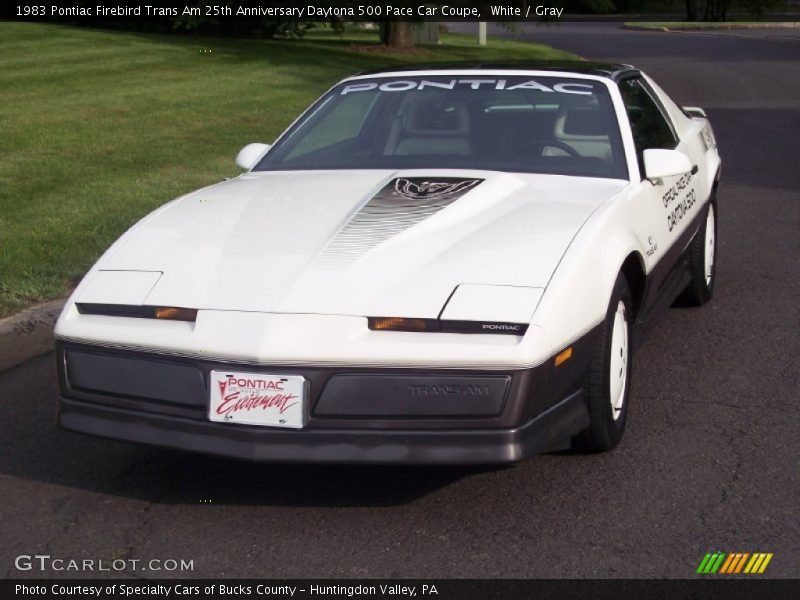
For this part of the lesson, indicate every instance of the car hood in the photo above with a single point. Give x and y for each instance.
(369, 243)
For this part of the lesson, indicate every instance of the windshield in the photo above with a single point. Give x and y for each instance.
(506, 123)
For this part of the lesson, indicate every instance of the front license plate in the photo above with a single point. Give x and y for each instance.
(258, 399)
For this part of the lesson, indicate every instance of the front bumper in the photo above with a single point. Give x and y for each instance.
(163, 400)
(549, 431)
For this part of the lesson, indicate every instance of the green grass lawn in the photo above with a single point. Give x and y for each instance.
(97, 128)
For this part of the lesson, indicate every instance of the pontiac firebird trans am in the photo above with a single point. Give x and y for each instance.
(439, 265)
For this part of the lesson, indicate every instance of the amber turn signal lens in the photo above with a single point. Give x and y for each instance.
(563, 356)
(172, 313)
(401, 324)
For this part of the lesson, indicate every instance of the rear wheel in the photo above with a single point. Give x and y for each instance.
(608, 386)
(702, 262)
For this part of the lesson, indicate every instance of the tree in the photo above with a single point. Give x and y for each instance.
(691, 10)
(716, 10)
(757, 8)
(397, 34)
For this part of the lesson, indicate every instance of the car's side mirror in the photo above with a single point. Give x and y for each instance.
(665, 163)
(249, 156)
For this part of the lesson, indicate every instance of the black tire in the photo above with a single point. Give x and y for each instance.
(606, 424)
(701, 287)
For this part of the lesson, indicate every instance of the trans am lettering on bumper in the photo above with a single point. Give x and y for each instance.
(448, 390)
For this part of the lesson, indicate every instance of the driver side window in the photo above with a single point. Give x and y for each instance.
(648, 123)
(343, 123)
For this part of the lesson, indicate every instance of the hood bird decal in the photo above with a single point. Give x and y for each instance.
(399, 205)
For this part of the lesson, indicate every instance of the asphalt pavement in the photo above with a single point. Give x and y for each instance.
(709, 461)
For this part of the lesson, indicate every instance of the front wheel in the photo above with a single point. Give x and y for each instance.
(609, 380)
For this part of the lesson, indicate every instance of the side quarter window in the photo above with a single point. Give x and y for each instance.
(650, 127)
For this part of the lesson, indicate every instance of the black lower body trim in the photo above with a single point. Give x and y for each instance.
(353, 414)
(551, 430)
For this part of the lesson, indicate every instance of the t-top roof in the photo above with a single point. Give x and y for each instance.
(611, 70)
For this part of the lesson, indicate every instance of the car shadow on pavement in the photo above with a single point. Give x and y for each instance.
(34, 449)
(173, 477)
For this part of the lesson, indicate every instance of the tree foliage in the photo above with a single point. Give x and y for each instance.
(227, 26)
(238, 26)
(757, 8)
(707, 10)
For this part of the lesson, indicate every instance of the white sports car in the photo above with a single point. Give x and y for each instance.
(438, 265)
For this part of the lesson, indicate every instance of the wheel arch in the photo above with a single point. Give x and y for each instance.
(633, 270)
(577, 296)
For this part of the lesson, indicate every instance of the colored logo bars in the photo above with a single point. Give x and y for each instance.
(735, 562)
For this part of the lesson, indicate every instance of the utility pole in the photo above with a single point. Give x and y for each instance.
(481, 33)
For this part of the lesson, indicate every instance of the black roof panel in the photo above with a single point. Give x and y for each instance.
(611, 70)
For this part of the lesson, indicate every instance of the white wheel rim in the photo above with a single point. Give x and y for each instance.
(618, 364)
(710, 241)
